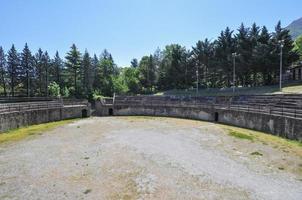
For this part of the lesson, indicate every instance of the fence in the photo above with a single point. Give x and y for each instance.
(27, 106)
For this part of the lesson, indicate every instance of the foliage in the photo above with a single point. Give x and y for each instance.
(65, 92)
(96, 95)
(119, 85)
(298, 46)
(54, 89)
(73, 64)
(209, 64)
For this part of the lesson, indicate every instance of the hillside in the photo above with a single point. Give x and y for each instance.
(295, 28)
(295, 88)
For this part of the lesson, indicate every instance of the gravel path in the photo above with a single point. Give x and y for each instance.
(146, 158)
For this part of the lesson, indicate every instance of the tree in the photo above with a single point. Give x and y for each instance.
(54, 89)
(87, 74)
(27, 68)
(147, 73)
(134, 63)
(3, 70)
(57, 70)
(46, 67)
(202, 55)
(289, 56)
(108, 70)
(131, 77)
(298, 46)
(225, 46)
(13, 67)
(73, 64)
(38, 72)
(97, 73)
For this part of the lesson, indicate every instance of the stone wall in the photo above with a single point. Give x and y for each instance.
(12, 120)
(282, 126)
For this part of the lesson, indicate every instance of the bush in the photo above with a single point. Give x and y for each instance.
(96, 95)
(54, 89)
(65, 92)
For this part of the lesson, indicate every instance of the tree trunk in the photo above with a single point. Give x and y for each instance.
(3, 84)
(12, 85)
(27, 84)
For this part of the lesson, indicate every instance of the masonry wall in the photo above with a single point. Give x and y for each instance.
(277, 125)
(14, 120)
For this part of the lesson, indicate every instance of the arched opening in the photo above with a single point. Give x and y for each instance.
(110, 112)
(84, 113)
(216, 117)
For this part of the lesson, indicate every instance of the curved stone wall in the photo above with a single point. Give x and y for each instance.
(283, 126)
(12, 120)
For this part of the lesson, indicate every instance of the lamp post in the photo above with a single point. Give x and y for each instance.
(281, 43)
(234, 70)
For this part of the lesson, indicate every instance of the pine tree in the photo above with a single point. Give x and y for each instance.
(97, 73)
(13, 68)
(73, 64)
(134, 63)
(87, 72)
(57, 69)
(225, 46)
(108, 70)
(27, 67)
(3, 70)
(46, 68)
(38, 72)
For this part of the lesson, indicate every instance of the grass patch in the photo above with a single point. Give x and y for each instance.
(240, 135)
(256, 153)
(20, 133)
(273, 141)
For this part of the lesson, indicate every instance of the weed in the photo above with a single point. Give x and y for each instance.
(240, 135)
(87, 191)
(20, 133)
(256, 153)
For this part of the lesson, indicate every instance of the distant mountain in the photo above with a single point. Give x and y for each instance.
(295, 28)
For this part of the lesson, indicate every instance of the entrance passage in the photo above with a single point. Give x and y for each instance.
(110, 112)
(84, 113)
(216, 117)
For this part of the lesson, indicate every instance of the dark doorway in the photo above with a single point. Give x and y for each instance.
(216, 117)
(110, 111)
(84, 113)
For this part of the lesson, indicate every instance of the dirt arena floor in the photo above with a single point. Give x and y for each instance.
(147, 158)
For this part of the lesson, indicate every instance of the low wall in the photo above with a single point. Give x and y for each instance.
(12, 120)
(286, 127)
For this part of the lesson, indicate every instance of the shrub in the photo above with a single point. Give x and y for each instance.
(54, 89)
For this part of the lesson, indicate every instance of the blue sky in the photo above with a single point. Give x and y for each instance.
(131, 28)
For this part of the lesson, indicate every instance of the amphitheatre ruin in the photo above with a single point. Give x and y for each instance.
(150, 100)
(154, 147)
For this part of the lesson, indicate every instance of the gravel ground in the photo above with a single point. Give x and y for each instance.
(146, 158)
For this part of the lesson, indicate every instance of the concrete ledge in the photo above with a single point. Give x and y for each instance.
(286, 127)
(15, 120)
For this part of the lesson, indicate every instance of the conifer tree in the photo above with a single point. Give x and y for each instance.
(13, 68)
(57, 70)
(87, 74)
(39, 72)
(3, 70)
(27, 67)
(73, 64)
(46, 68)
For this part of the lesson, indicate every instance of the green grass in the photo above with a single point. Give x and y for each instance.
(241, 135)
(20, 133)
